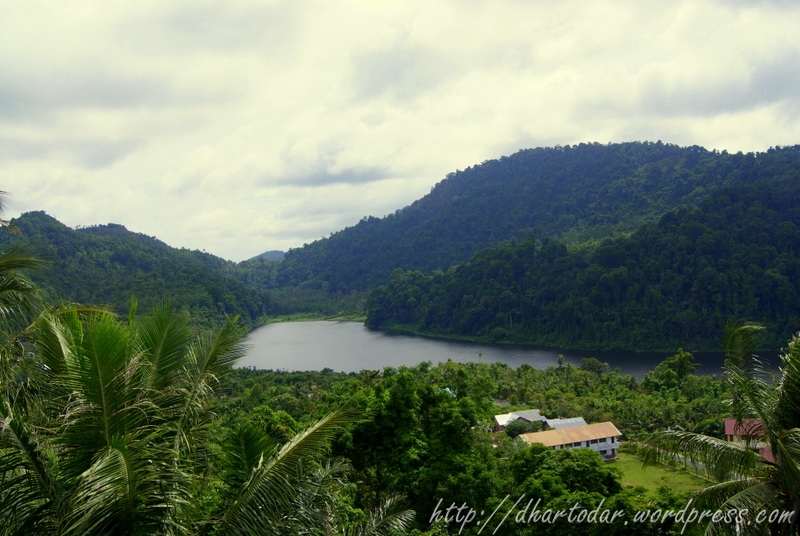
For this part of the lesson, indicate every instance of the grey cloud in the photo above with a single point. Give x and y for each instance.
(402, 72)
(773, 82)
(778, 80)
(34, 96)
(225, 26)
(10, 102)
(317, 219)
(98, 154)
(323, 177)
(90, 154)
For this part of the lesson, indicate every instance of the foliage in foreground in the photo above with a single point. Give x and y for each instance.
(762, 474)
(105, 428)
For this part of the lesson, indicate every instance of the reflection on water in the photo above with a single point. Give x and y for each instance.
(350, 347)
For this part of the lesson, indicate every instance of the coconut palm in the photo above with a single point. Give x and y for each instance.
(752, 480)
(19, 303)
(109, 448)
(278, 492)
(5, 224)
(118, 439)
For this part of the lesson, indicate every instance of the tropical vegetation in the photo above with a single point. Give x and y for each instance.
(106, 429)
(759, 476)
(673, 283)
(578, 195)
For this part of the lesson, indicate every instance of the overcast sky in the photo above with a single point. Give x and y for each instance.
(238, 126)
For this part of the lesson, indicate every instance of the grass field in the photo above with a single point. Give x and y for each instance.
(633, 474)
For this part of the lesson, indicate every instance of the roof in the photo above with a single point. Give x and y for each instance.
(748, 427)
(566, 423)
(529, 415)
(574, 434)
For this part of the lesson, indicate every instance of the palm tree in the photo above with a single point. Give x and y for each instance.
(305, 499)
(117, 440)
(110, 446)
(19, 303)
(750, 481)
(5, 224)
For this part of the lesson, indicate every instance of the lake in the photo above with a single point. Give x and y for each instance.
(351, 347)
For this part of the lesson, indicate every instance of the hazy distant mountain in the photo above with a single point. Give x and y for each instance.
(273, 255)
(576, 194)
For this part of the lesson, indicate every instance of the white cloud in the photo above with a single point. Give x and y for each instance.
(245, 126)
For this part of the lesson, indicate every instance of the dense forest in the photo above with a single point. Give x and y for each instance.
(672, 283)
(577, 194)
(107, 264)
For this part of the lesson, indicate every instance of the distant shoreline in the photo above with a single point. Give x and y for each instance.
(311, 317)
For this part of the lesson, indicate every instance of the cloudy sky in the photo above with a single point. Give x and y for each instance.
(243, 126)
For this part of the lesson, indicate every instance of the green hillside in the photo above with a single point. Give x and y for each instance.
(578, 193)
(107, 264)
(669, 284)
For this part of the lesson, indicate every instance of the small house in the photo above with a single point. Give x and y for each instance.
(528, 415)
(748, 433)
(601, 437)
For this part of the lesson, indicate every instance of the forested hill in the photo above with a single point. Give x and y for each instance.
(577, 193)
(670, 284)
(108, 264)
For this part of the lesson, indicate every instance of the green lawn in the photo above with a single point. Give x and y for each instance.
(633, 474)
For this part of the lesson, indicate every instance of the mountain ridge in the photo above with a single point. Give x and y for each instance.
(575, 193)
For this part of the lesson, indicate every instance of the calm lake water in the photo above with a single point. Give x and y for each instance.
(350, 347)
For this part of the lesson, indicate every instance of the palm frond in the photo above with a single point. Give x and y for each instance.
(753, 497)
(163, 337)
(788, 403)
(54, 333)
(269, 491)
(713, 496)
(4, 223)
(207, 361)
(91, 355)
(719, 459)
(752, 396)
(17, 292)
(389, 519)
(29, 489)
(740, 342)
(787, 451)
(243, 451)
(161, 340)
(126, 488)
(106, 493)
(317, 502)
(215, 353)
